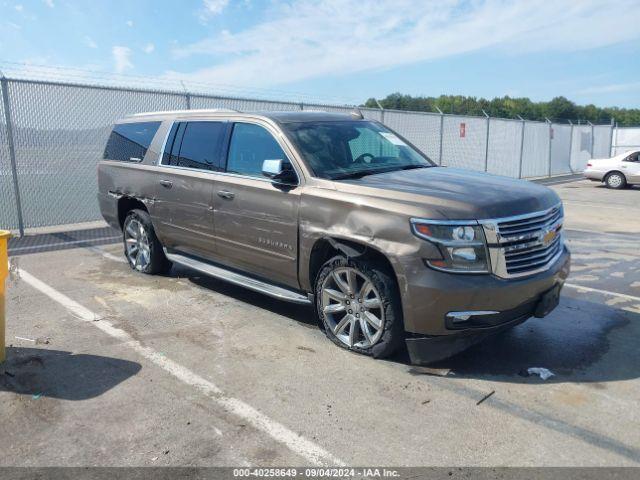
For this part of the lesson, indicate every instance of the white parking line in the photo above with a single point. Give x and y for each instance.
(604, 292)
(295, 442)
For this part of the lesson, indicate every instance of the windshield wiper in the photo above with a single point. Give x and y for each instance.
(411, 167)
(360, 174)
(364, 173)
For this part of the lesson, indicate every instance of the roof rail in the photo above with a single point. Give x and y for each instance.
(202, 110)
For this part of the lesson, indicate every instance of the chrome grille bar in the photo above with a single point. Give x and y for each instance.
(525, 244)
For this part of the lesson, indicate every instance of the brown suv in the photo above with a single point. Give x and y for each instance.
(339, 212)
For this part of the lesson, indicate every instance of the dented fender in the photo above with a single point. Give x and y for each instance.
(347, 222)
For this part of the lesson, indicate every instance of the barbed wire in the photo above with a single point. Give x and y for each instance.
(177, 83)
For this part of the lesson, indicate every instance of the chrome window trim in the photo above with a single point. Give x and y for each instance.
(158, 162)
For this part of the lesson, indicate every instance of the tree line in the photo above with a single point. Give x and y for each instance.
(560, 109)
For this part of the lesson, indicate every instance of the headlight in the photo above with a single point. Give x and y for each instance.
(462, 245)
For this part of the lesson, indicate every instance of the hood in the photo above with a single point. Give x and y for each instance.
(455, 194)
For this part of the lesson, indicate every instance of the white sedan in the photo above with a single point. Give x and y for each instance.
(615, 172)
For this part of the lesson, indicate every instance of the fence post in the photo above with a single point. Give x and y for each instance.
(381, 111)
(441, 135)
(486, 146)
(187, 95)
(4, 85)
(570, 145)
(521, 146)
(611, 137)
(549, 155)
(592, 139)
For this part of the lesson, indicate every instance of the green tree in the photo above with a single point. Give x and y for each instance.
(559, 109)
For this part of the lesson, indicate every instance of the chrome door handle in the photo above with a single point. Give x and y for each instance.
(226, 194)
(166, 183)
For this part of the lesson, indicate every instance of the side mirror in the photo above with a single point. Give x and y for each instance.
(279, 171)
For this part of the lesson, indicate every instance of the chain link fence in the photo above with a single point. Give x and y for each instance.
(625, 139)
(52, 135)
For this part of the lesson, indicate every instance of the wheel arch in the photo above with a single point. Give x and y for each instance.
(125, 205)
(327, 247)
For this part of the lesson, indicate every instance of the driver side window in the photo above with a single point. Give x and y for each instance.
(250, 146)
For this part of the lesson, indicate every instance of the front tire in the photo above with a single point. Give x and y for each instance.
(615, 180)
(359, 305)
(142, 248)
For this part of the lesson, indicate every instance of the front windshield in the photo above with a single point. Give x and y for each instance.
(350, 149)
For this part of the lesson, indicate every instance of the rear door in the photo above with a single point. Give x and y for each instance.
(184, 193)
(256, 222)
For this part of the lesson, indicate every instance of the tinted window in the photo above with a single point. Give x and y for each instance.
(129, 142)
(170, 147)
(250, 146)
(195, 145)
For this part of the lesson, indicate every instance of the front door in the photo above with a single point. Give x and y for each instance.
(184, 193)
(256, 222)
(631, 167)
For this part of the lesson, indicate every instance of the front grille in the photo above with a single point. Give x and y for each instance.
(525, 244)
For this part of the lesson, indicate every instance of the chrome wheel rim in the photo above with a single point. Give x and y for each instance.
(615, 180)
(136, 243)
(352, 308)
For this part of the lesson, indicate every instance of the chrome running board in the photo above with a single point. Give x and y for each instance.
(238, 279)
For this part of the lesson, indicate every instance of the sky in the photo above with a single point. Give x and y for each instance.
(343, 50)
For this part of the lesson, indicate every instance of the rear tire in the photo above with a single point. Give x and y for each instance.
(615, 180)
(359, 305)
(142, 249)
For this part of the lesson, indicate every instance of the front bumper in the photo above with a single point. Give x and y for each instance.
(503, 303)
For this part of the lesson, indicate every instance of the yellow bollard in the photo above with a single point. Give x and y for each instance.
(4, 271)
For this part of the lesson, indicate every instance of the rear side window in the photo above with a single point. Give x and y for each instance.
(250, 146)
(195, 145)
(129, 142)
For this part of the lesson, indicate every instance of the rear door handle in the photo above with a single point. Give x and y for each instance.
(166, 183)
(226, 194)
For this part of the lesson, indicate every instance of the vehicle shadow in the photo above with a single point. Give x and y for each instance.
(62, 375)
(302, 314)
(581, 341)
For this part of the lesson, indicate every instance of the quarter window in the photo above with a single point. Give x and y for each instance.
(129, 142)
(250, 146)
(195, 145)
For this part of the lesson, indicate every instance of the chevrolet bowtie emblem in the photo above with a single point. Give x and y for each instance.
(548, 237)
